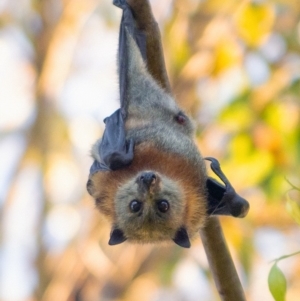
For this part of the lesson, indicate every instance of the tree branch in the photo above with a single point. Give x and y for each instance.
(155, 57)
(222, 268)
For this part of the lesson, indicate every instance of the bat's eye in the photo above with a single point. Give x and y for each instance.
(135, 206)
(163, 206)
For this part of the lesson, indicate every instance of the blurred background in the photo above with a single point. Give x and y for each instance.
(233, 65)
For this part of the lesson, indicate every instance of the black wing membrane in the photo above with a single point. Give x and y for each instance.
(128, 24)
(223, 200)
(114, 150)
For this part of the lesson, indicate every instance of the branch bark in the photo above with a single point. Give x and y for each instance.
(220, 261)
(222, 267)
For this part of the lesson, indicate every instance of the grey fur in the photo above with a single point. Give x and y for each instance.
(95, 150)
(151, 114)
(152, 118)
(155, 110)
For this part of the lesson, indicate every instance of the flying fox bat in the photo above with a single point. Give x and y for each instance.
(148, 177)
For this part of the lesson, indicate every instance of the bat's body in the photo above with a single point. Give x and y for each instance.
(148, 177)
(164, 146)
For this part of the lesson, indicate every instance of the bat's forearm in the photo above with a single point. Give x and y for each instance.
(143, 15)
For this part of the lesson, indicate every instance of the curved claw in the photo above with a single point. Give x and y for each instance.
(224, 200)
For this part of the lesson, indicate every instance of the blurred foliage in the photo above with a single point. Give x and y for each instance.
(233, 65)
(277, 281)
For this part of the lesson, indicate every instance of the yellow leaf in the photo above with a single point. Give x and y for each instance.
(248, 165)
(254, 21)
(227, 54)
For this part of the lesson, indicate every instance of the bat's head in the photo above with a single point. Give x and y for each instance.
(159, 197)
(149, 208)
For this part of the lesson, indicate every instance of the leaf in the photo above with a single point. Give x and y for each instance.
(293, 208)
(277, 283)
(227, 53)
(254, 21)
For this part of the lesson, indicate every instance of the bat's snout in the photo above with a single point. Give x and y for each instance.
(148, 181)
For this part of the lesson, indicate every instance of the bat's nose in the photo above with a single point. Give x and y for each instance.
(148, 178)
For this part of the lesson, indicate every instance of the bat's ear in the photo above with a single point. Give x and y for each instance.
(116, 237)
(89, 187)
(223, 200)
(181, 238)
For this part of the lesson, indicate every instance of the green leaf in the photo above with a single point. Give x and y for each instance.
(277, 283)
(293, 209)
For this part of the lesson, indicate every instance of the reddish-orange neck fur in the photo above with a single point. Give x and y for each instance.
(171, 165)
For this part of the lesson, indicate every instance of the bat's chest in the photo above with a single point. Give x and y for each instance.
(175, 165)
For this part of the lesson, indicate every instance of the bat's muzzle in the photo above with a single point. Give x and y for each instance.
(148, 180)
